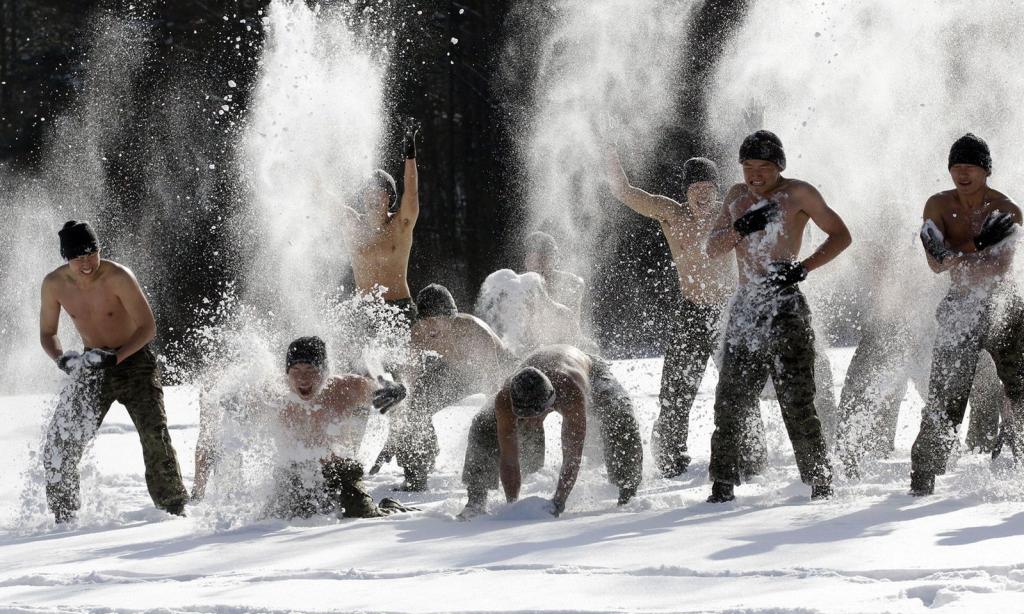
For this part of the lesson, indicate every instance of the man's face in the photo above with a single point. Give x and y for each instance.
(428, 329)
(702, 192)
(305, 380)
(86, 265)
(968, 178)
(760, 175)
(374, 199)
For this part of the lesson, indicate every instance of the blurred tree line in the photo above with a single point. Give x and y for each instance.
(469, 184)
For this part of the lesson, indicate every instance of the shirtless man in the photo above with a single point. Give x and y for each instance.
(325, 411)
(965, 232)
(580, 387)
(705, 285)
(458, 355)
(769, 330)
(113, 317)
(380, 231)
(542, 257)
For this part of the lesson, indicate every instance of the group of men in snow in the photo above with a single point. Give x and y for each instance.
(767, 333)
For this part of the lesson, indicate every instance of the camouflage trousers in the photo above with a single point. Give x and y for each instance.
(968, 325)
(609, 405)
(768, 334)
(135, 383)
(693, 335)
(328, 486)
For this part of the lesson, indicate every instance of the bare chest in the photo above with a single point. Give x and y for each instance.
(93, 305)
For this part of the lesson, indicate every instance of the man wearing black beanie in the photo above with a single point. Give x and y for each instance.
(966, 231)
(113, 317)
(762, 221)
(455, 355)
(705, 285)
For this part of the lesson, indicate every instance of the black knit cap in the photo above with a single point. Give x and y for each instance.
(699, 169)
(531, 392)
(381, 179)
(436, 301)
(971, 149)
(310, 350)
(77, 239)
(763, 145)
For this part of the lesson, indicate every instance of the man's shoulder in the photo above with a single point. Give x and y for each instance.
(940, 201)
(56, 276)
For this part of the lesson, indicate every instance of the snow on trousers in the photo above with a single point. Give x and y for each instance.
(693, 335)
(135, 383)
(322, 487)
(786, 353)
(966, 328)
(609, 404)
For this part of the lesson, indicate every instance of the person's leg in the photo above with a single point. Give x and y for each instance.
(297, 492)
(620, 432)
(692, 341)
(80, 410)
(480, 469)
(986, 401)
(343, 483)
(792, 348)
(136, 384)
(954, 359)
(1007, 349)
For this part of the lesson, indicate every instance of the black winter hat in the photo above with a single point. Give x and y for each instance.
(763, 145)
(380, 178)
(699, 169)
(531, 392)
(971, 149)
(77, 239)
(310, 350)
(436, 301)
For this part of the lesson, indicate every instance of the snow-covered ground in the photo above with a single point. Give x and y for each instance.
(871, 549)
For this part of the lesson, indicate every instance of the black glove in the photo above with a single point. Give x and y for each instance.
(785, 273)
(100, 359)
(385, 456)
(756, 219)
(68, 361)
(998, 225)
(933, 243)
(557, 507)
(388, 395)
(409, 142)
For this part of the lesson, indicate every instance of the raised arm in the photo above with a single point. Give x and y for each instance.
(49, 318)
(128, 291)
(661, 208)
(574, 431)
(827, 220)
(508, 446)
(410, 206)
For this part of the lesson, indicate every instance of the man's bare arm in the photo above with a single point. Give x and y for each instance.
(724, 238)
(410, 207)
(49, 319)
(661, 208)
(829, 221)
(135, 303)
(574, 431)
(508, 446)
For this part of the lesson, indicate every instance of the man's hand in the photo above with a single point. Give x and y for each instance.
(69, 361)
(756, 219)
(557, 507)
(934, 244)
(412, 127)
(785, 273)
(100, 359)
(998, 225)
(388, 395)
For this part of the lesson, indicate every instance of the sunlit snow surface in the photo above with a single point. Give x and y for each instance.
(872, 548)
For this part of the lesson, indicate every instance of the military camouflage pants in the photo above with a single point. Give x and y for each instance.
(968, 325)
(768, 334)
(693, 334)
(322, 487)
(609, 405)
(135, 383)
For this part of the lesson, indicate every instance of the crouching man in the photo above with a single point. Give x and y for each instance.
(506, 438)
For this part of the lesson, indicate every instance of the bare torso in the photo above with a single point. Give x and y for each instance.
(960, 224)
(781, 240)
(336, 417)
(94, 306)
(702, 280)
(380, 256)
(469, 346)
